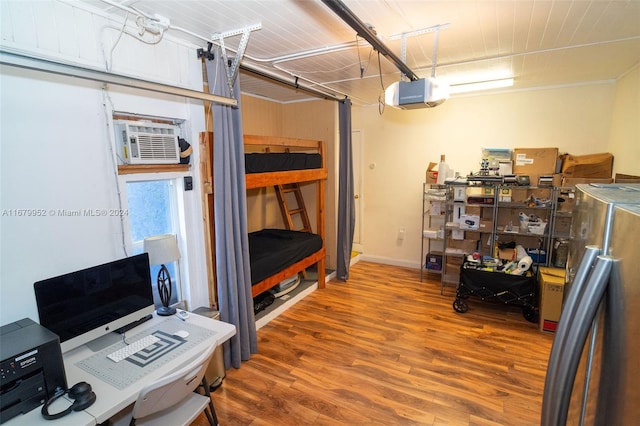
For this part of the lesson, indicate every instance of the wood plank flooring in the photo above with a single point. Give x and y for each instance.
(385, 348)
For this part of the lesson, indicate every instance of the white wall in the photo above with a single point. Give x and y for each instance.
(624, 142)
(55, 153)
(399, 144)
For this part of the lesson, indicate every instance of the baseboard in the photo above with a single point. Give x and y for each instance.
(389, 261)
(274, 313)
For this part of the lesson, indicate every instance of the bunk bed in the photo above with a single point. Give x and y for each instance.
(279, 254)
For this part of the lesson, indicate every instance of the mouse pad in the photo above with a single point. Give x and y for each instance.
(132, 369)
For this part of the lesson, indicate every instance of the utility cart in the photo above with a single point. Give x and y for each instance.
(518, 290)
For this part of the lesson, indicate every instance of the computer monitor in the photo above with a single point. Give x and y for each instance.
(84, 305)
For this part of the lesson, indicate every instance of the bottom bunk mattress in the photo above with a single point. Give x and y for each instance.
(272, 250)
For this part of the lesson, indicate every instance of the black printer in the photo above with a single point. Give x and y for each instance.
(31, 367)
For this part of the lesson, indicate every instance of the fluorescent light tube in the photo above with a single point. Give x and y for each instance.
(481, 85)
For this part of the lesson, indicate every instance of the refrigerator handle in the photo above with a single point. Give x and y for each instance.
(564, 324)
(554, 412)
(582, 273)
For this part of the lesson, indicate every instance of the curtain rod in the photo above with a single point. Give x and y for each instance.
(288, 83)
(54, 67)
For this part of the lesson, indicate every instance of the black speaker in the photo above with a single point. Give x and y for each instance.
(81, 394)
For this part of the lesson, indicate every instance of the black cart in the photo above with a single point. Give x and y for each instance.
(518, 290)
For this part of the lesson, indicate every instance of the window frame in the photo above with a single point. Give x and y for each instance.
(179, 214)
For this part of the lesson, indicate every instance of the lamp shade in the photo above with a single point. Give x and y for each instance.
(162, 249)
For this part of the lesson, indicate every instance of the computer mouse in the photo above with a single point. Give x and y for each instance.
(182, 334)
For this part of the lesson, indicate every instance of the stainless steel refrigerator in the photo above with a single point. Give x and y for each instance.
(593, 376)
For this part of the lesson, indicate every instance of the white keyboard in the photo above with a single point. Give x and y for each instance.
(132, 348)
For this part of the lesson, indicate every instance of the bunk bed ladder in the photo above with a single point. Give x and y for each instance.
(289, 213)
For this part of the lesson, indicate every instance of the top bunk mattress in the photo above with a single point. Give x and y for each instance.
(272, 250)
(280, 161)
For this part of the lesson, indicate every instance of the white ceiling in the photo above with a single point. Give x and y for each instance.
(538, 42)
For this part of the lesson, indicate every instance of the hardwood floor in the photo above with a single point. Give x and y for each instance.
(385, 348)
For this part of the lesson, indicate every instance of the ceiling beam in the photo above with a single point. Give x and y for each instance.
(340, 9)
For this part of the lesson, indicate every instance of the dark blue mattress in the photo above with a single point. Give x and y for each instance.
(272, 250)
(280, 161)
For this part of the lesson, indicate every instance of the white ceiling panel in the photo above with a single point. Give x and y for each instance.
(539, 42)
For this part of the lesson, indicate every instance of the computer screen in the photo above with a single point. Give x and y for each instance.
(83, 305)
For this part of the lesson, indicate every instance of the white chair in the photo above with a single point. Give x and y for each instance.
(173, 400)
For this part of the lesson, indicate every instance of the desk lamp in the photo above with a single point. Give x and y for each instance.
(163, 249)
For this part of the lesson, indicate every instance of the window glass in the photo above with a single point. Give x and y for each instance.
(152, 211)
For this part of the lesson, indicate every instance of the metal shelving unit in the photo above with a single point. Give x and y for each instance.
(433, 201)
(496, 208)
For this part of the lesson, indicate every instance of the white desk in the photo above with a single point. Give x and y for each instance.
(110, 400)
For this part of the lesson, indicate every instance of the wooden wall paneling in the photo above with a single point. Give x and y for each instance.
(206, 176)
(261, 117)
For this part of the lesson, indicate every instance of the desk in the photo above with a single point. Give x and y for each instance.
(110, 400)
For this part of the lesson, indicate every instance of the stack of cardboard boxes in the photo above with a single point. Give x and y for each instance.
(551, 286)
(562, 170)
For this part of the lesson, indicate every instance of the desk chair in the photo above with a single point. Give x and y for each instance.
(173, 400)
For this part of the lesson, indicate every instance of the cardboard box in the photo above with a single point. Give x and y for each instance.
(472, 210)
(504, 195)
(486, 225)
(587, 166)
(507, 253)
(472, 235)
(551, 282)
(534, 162)
(467, 246)
(519, 195)
(566, 199)
(457, 234)
(622, 178)
(568, 181)
(432, 173)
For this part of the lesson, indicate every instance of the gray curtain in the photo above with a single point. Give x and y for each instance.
(346, 206)
(230, 215)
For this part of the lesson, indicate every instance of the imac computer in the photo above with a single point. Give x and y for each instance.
(84, 305)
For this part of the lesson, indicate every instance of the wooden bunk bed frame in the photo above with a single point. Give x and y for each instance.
(266, 179)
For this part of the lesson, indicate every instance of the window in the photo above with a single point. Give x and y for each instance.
(153, 211)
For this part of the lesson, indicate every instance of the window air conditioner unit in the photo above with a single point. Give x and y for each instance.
(147, 143)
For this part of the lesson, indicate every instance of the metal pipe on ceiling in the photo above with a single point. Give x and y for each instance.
(86, 73)
(340, 9)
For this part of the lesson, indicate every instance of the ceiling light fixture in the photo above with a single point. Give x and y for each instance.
(480, 85)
